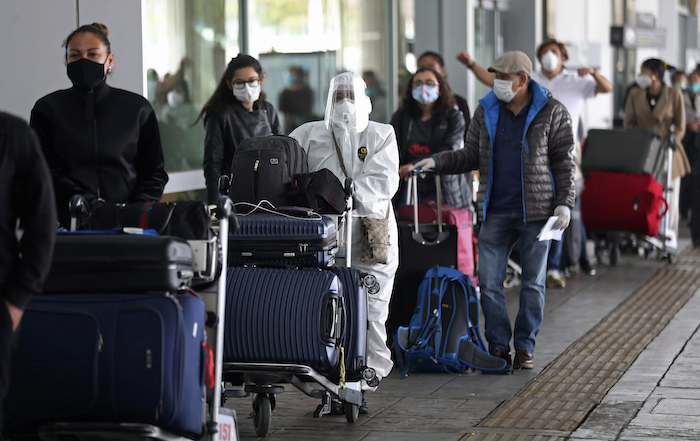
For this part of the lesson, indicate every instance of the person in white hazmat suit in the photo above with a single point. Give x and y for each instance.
(370, 156)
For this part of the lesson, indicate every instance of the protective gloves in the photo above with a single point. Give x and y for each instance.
(425, 164)
(563, 213)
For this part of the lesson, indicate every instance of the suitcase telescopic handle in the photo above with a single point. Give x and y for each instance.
(416, 235)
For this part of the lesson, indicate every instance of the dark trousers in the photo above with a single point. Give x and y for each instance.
(6, 341)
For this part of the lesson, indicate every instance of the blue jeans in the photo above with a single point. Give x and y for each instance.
(554, 259)
(498, 235)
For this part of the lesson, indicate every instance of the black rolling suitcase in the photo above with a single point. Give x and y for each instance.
(93, 262)
(278, 238)
(421, 247)
(110, 358)
(280, 315)
(632, 151)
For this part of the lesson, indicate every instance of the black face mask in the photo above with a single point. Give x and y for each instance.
(85, 74)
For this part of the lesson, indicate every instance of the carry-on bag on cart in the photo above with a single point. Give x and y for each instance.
(282, 315)
(444, 334)
(622, 202)
(100, 263)
(264, 238)
(421, 247)
(633, 151)
(265, 168)
(110, 358)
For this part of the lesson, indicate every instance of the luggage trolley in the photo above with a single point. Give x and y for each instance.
(263, 380)
(215, 419)
(615, 221)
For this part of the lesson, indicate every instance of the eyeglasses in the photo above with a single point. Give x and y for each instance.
(517, 145)
(429, 83)
(240, 85)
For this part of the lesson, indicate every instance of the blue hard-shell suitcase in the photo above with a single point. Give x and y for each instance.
(280, 315)
(355, 340)
(109, 358)
(278, 238)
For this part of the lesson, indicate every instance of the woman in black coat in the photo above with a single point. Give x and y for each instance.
(428, 122)
(99, 142)
(237, 110)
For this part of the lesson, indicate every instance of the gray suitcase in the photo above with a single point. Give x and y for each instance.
(629, 151)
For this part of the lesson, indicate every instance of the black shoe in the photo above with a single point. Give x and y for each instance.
(337, 407)
(501, 354)
(364, 410)
(523, 359)
(586, 267)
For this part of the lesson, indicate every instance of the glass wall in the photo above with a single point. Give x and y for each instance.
(301, 45)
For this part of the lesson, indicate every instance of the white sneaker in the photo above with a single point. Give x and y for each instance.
(555, 279)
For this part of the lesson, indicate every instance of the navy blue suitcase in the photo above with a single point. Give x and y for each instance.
(280, 315)
(110, 358)
(277, 238)
(355, 340)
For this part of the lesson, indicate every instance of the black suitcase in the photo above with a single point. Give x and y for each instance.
(630, 151)
(88, 262)
(431, 246)
(122, 358)
(280, 315)
(279, 238)
(355, 340)
(264, 168)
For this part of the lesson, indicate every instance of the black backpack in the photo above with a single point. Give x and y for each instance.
(266, 168)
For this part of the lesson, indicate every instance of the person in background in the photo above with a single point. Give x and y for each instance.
(522, 142)
(26, 195)
(435, 60)
(100, 142)
(691, 143)
(182, 139)
(426, 123)
(296, 101)
(572, 89)
(376, 93)
(679, 80)
(236, 110)
(655, 106)
(350, 145)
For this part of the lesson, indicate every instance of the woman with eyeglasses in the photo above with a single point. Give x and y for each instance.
(237, 110)
(100, 142)
(429, 122)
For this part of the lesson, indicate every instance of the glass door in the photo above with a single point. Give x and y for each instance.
(489, 34)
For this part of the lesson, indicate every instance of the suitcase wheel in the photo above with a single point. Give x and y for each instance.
(262, 414)
(352, 412)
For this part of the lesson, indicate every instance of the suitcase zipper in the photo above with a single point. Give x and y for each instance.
(256, 178)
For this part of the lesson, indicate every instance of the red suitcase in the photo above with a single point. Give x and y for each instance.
(462, 219)
(614, 201)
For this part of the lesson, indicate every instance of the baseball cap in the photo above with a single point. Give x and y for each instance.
(511, 63)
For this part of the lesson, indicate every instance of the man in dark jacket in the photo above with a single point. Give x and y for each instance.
(26, 194)
(522, 142)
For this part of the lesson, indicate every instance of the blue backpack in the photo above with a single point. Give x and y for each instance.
(443, 334)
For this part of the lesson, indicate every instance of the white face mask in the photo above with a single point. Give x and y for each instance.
(175, 98)
(344, 112)
(504, 90)
(550, 61)
(643, 81)
(247, 95)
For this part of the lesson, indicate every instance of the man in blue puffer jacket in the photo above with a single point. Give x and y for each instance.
(522, 143)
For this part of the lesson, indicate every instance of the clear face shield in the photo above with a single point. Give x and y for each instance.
(348, 105)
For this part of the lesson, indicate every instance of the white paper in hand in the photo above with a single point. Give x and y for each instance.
(547, 231)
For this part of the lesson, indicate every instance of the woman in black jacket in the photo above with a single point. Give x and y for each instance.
(99, 142)
(237, 110)
(428, 122)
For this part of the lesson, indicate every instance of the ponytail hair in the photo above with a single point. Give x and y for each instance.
(98, 29)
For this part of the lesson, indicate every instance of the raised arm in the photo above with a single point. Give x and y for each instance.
(481, 74)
